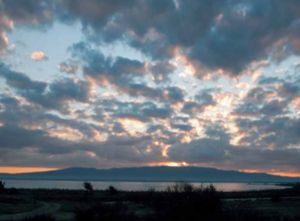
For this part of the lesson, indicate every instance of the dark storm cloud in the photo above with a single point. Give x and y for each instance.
(218, 152)
(272, 108)
(119, 109)
(264, 115)
(20, 81)
(141, 89)
(115, 148)
(129, 149)
(212, 148)
(205, 97)
(277, 132)
(69, 89)
(199, 151)
(219, 34)
(93, 13)
(262, 159)
(36, 139)
(161, 71)
(144, 111)
(29, 13)
(213, 34)
(59, 93)
(68, 67)
(151, 110)
(126, 75)
(287, 88)
(26, 138)
(174, 94)
(116, 71)
(53, 95)
(182, 127)
(271, 97)
(201, 100)
(192, 107)
(14, 113)
(16, 117)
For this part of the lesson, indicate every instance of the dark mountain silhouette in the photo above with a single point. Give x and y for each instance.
(161, 173)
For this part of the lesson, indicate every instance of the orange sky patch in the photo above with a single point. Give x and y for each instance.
(25, 169)
(279, 173)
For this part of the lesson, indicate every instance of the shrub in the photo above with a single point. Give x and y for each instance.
(180, 188)
(182, 201)
(2, 186)
(88, 187)
(112, 190)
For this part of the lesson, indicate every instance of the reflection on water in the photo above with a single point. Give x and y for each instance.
(131, 186)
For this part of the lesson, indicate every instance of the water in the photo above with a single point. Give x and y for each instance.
(131, 186)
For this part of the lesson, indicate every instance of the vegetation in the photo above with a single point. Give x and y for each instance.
(88, 187)
(112, 190)
(181, 201)
(2, 186)
(296, 187)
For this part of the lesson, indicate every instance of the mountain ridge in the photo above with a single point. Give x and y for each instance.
(154, 173)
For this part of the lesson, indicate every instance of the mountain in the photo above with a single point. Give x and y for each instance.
(162, 173)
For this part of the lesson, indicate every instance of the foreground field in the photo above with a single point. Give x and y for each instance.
(179, 202)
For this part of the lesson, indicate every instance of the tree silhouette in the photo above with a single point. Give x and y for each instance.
(112, 190)
(88, 187)
(2, 186)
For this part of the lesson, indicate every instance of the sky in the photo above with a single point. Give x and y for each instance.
(125, 83)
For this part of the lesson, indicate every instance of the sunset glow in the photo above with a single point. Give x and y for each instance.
(290, 174)
(15, 170)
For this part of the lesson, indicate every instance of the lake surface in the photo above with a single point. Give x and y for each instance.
(131, 186)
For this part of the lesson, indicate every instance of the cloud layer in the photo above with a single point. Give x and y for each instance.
(200, 82)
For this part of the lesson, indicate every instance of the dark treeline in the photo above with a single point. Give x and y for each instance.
(181, 202)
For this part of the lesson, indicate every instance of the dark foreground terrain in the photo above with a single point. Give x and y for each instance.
(179, 202)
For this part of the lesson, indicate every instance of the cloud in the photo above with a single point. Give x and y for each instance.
(4, 42)
(142, 111)
(126, 75)
(34, 127)
(103, 69)
(216, 34)
(274, 133)
(219, 153)
(69, 68)
(39, 56)
(271, 97)
(20, 81)
(55, 95)
(26, 13)
(161, 71)
(183, 127)
(174, 94)
(199, 151)
(147, 106)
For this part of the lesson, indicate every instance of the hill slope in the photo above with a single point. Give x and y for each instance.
(199, 174)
